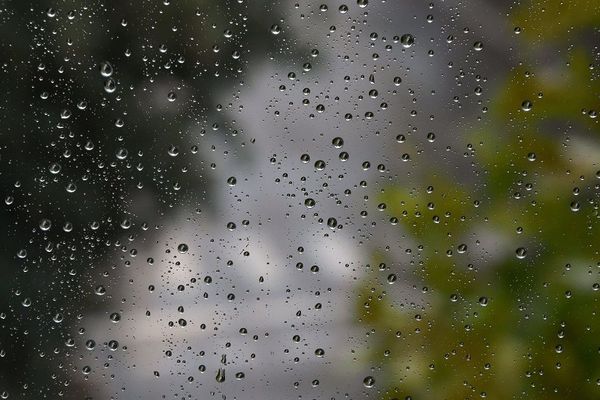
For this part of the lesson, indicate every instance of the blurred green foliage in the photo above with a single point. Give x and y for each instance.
(486, 323)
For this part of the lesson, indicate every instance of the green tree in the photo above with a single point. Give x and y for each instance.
(519, 318)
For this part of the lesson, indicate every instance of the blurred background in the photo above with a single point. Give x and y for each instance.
(362, 199)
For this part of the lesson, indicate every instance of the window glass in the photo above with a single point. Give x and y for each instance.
(266, 199)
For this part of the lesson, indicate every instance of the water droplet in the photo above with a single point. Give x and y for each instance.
(126, 223)
(106, 69)
(275, 29)
(220, 375)
(407, 40)
(115, 317)
(337, 142)
(521, 252)
(319, 165)
(332, 222)
(55, 168)
(575, 206)
(45, 224)
(172, 96)
(526, 105)
(183, 248)
(122, 153)
(71, 187)
(110, 85)
(369, 382)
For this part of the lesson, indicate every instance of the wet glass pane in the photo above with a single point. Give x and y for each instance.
(341, 199)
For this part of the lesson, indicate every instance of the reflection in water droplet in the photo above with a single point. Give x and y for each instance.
(110, 85)
(115, 317)
(407, 40)
(275, 29)
(106, 69)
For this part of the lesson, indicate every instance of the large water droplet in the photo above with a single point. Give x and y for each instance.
(369, 382)
(407, 40)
